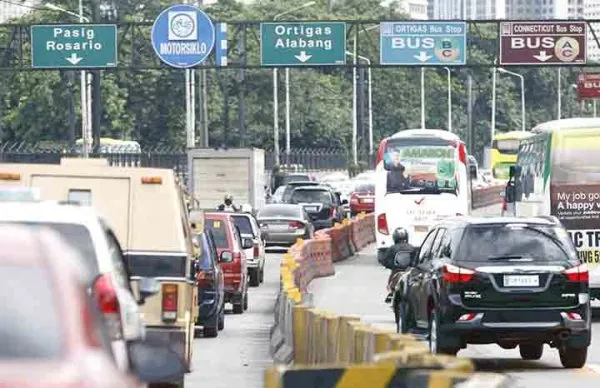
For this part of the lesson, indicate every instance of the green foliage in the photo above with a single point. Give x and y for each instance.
(148, 106)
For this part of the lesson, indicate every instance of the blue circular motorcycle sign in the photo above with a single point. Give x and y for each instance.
(183, 36)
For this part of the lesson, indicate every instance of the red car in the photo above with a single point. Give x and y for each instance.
(362, 198)
(232, 259)
(51, 329)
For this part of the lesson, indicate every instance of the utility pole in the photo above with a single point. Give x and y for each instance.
(204, 108)
(69, 76)
(96, 103)
(470, 112)
(242, 91)
(361, 106)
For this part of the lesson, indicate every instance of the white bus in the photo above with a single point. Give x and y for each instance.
(558, 174)
(421, 177)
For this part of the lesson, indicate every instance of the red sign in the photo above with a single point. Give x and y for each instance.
(543, 43)
(588, 85)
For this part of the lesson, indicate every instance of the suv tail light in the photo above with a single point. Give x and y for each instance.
(206, 278)
(579, 274)
(454, 274)
(106, 297)
(354, 198)
(331, 212)
(169, 302)
(382, 226)
(256, 251)
(295, 225)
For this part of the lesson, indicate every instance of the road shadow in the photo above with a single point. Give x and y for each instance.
(507, 365)
(275, 249)
(595, 314)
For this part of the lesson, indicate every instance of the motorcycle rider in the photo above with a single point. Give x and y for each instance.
(228, 204)
(401, 245)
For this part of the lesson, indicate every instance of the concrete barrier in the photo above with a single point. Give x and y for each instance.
(377, 376)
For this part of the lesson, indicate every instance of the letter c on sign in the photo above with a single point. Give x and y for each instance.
(447, 53)
(577, 237)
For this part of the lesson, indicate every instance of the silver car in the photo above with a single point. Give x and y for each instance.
(283, 224)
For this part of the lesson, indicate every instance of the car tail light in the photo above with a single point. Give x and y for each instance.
(454, 274)
(331, 212)
(504, 204)
(579, 274)
(354, 198)
(467, 317)
(236, 264)
(206, 278)
(295, 225)
(108, 303)
(169, 302)
(382, 226)
(574, 316)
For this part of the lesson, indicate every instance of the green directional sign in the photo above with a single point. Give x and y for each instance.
(302, 43)
(73, 45)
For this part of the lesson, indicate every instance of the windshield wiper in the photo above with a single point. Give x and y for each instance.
(554, 239)
(506, 257)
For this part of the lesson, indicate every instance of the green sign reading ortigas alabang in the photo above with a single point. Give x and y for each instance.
(74, 46)
(302, 43)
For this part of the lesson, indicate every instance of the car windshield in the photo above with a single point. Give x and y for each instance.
(285, 211)
(418, 166)
(244, 225)
(311, 196)
(78, 238)
(219, 230)
(516, 242)
(30, 328)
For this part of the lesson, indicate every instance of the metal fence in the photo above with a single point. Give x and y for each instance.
(169, 157)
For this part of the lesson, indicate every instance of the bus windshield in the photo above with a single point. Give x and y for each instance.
(420, 166)
(507, 146)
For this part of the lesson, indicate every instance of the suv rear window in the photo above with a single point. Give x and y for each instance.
(311, 196)
(515, 241)
(30, 327)
(244, 225)
(219, 230)
(78, 238)
(156, 265)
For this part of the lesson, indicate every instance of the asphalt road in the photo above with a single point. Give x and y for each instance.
(359, 288)
(238, 357)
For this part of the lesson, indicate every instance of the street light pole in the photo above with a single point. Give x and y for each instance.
(522, 94)
(354, 107)
(85, 90)
(449, 99)
(559, 102)
(493, 126)
(287, 99)
(422, 98)
(369, 98)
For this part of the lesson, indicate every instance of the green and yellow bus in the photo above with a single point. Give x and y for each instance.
(559, 175)
(504, 152)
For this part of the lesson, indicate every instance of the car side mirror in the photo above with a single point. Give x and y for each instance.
(514, 171)
(226, 257)
(263, 236)
(154, 364)
(247, 243)
(345, 202)
(148, 287)
(473, 171)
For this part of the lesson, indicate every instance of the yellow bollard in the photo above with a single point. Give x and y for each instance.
(343, 345)
(300, 334)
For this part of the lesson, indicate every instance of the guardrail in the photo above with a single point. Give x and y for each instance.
(343, 351)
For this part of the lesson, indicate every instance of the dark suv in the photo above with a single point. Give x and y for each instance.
(510, 281)
(322, 205)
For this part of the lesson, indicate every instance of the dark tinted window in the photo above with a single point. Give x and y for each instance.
(425, 251)
(514, 241)
(205, 261)
(243, 224)
(280, 211)
(294, 178)
(156, 265)
(311, 196)
(30, 327)
(78, 237)
(219, 230)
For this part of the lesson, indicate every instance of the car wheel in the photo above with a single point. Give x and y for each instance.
(246, 301)
(210, 331)
(573, 357)
(221, 325)
(254, 280)
(434, 336)
(531, 351)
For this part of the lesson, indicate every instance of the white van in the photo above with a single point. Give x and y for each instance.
(559, 175)
(420, 177)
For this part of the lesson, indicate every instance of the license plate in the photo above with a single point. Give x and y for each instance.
(421, 228)
(367, 200)
(278, 227)
(521, 281)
